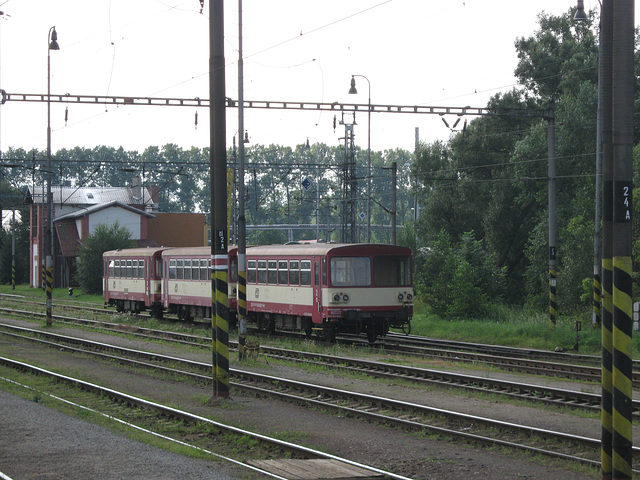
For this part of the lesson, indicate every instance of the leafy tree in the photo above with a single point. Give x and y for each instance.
(22, 253)
(459, 279)
(89, 261)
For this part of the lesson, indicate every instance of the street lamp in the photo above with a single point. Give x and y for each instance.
(52, 42)
(353, 91)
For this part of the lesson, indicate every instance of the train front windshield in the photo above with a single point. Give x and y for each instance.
(387, 271)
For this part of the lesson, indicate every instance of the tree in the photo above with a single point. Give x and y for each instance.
(89, 261)
(459, 279)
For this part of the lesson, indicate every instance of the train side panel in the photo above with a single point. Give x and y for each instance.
(330, 288)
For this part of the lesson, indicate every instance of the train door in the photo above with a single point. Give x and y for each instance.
(317, 291)
(146, 273)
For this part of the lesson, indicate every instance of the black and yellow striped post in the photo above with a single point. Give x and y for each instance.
(551, 170)
(13, 250)
(606, 85)
(221, 325)
(606, 412)
(597, 299)
(622, 136)
(49, 288)
(217, 177)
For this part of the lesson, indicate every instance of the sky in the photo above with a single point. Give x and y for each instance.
(404, 52)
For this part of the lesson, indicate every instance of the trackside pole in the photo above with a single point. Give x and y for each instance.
(623, 121)
(606, 79)
(242, 222)
(218, 185)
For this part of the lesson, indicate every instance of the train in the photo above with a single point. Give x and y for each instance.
(322, 288)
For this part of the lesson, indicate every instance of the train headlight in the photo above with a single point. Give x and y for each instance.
(400, 296)
(336, 297)
(409, 296)
(345, 298)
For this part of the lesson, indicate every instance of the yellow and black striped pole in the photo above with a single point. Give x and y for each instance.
(13, 250)
(221, 325)
(551, 169)
(623, 132)
(605, 74)
(49, 288)
(217, 177)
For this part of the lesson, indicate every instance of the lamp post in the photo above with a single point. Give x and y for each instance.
(52, 42)
(353, 91)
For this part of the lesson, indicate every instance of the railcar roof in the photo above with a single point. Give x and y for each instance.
(198, 251)
(134, 252)
(325, 248)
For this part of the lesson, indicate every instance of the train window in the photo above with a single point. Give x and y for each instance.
(158, 275)
(187, 269)
(252, 274)
(209, 268)
(317, 273)
(350, 271)
(262, 271)
(283, 272)
(272, 272)
(134, 268)
(116, 272)
(324, 271)
(129, 268)
(233, 270)
(195, 269)
(203, 269)
(172, 269)
(294, 273)
(391, 271)
(305, 272)
(179, 269)
(112, 268)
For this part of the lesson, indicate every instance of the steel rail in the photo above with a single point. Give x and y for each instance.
(122, 397)
(313, 392)
(520, 390)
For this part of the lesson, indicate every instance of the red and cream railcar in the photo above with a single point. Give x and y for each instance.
(187, 282)
(330, 288)
(132, 279)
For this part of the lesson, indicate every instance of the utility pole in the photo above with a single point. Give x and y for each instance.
(350, 186)
(551, 139)
(623, 121)
(13, 251)
(217, 178)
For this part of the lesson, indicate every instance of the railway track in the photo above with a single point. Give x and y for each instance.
(374, 408)
(520, 390)
(162, 413)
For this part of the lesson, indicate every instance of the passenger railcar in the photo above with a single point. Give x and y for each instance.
(330, 288)
(132, 280)
(187, 282)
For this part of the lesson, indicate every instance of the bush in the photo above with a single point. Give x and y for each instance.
(459, 280)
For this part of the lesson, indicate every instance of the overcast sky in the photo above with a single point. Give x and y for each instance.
(413, 52)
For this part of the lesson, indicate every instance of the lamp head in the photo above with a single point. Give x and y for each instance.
(580, 13)
(353, 90)
(53, 45)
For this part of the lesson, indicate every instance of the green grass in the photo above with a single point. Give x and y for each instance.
(516, 327)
